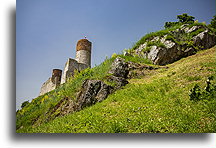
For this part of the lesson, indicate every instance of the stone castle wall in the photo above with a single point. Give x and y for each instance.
(53, 82)
(70, 67)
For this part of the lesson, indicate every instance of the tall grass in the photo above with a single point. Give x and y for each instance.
(135, 59)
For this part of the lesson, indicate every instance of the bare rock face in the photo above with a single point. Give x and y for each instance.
(92, 91)
(168, 54)
(163, 56)
(204, 40)
(119, 68)
(120, 81)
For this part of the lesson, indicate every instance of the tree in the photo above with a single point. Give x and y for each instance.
(213, 22)
(185, 18)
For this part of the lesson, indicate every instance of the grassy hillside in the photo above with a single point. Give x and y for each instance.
(158, 102)
(42, 108)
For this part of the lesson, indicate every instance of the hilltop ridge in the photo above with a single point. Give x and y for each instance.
(164, 83)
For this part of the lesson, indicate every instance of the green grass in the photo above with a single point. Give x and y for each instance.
(157, 103)
(135, 59)
(151, 35)
(39, 109)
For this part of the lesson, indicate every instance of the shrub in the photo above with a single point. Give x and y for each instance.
(196, 94)
(114, 55)
(24, 104)
(171, 24)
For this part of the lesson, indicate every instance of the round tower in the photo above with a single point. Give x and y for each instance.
(83, 52)
(56, 75)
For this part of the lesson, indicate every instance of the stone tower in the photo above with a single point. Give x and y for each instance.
(56, 76)
(82, 61)
(83, 52)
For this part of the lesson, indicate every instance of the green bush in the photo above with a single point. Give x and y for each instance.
(213, 23)
(197, 94)
(171, 24)
(24, 104)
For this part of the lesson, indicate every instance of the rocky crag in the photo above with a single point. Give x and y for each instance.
(169, 45)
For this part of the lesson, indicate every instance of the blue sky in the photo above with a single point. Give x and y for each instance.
(47, 31)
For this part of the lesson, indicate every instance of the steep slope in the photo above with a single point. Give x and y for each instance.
(157, 102)
(64, 100)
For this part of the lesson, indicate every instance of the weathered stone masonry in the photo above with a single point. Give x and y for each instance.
(70, 67)
(83, 52)
(82, 61)
(53, 82)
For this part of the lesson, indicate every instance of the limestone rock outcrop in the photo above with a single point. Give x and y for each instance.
(178, 43)
(204, 40)
(122, 70)
(119, 68)
(92, 91)
(119, 81)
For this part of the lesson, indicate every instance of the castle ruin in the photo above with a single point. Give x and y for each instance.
(82, 61)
